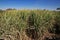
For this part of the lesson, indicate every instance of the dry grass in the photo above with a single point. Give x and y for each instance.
(13, 23)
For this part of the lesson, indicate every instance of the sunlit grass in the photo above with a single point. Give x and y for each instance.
(18, 19)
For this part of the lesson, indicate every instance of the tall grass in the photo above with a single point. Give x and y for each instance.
(42, 20)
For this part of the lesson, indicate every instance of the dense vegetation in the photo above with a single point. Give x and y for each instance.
(13, 21)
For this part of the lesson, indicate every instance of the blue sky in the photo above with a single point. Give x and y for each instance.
(30, 4)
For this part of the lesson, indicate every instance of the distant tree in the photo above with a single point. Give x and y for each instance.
(44, 9)
(11, 9)
(58, 9)
(1, 10)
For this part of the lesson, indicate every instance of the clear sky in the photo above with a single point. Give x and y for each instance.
(30, 4)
